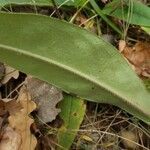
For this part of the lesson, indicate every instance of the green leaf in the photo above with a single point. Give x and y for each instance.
(75, 3)
(73, 59)
(26, 2)
(140, 13)
(72, 113)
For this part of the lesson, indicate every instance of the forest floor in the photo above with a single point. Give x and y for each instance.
(105, 127)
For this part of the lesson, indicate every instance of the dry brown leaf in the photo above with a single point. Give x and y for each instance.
(9, 73)
(130, 138)
(11, 140)
(88, 24)
(139, 56)
(12, 106)
(19, 120)
(80, 19)
(122, 45)
(46, 96)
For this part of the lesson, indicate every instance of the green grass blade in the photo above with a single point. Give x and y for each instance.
(73, 59)
(102, 15)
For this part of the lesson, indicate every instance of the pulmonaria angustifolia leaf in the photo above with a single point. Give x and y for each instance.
(72, 59)
(75, 3)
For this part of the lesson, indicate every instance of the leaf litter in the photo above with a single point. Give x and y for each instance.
(9, 73)
(46, 97)
(105, 116)
(138, 56)
(17, 135)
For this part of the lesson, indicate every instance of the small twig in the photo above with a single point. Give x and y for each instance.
(56, 10)
(106, 129)
(75, 15)
(112, 134)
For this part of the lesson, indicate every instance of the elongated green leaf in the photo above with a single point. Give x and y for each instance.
(73, 59)
(72, 113)
(140, 13)
(26, 2)
(75, 3)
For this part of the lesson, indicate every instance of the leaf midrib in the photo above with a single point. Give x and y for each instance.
(69, 69)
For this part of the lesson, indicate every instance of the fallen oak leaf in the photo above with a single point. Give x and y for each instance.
(9, 139)
(21, 122)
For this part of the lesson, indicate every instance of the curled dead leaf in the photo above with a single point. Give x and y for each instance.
(138, 56)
